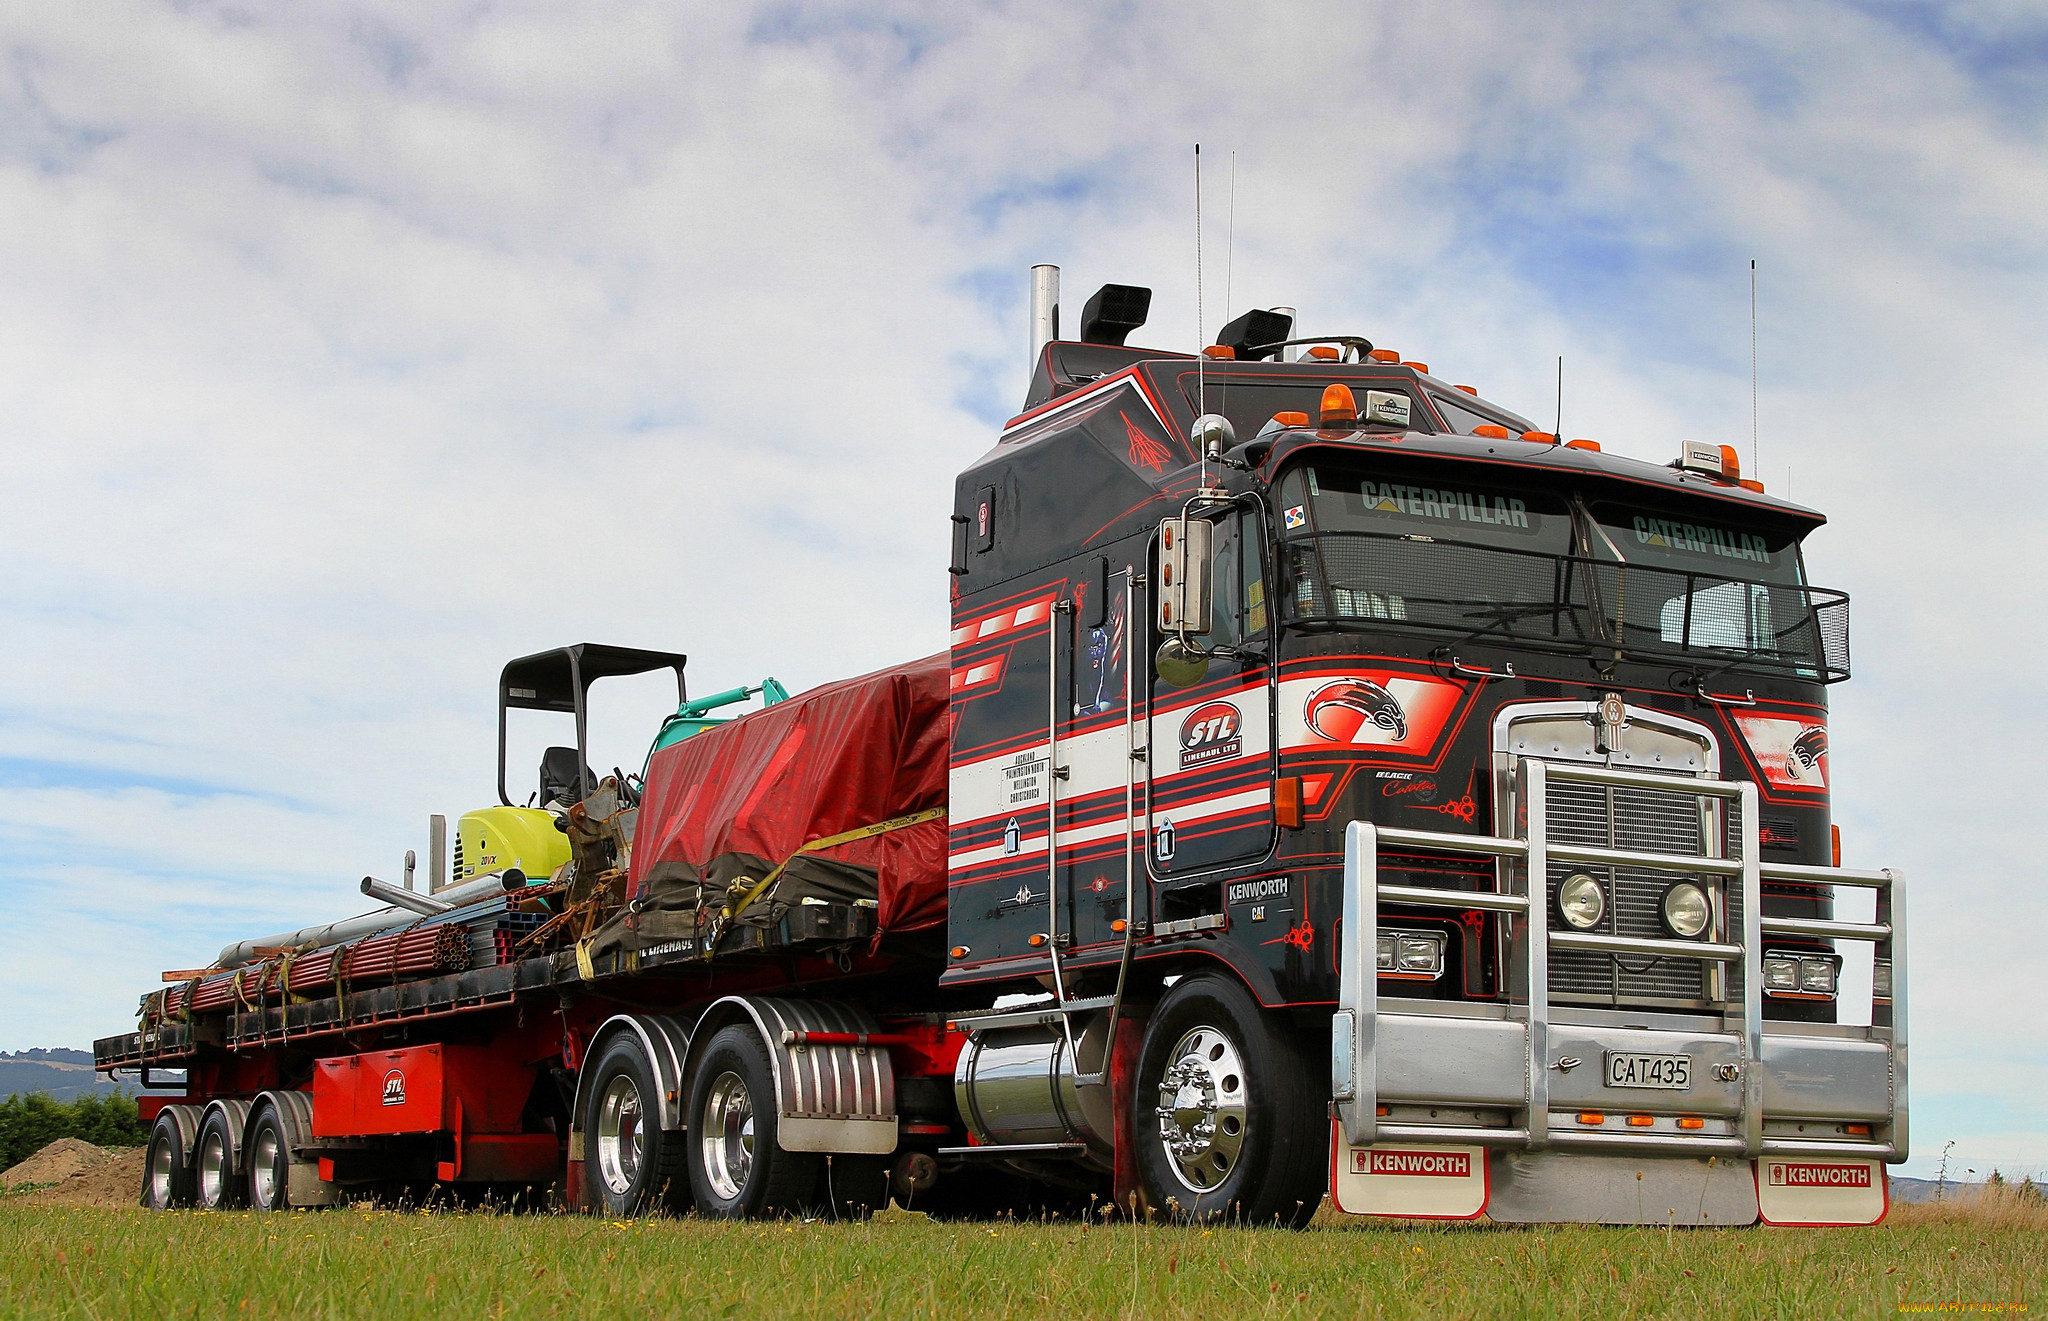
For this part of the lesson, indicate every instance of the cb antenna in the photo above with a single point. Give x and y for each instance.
(1753, 462)
(1201, 324)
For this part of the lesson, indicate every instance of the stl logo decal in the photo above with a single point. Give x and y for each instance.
(394, 1088)
(1807, 750)
(1145, 451)
(1212, 731)
(1338, 711)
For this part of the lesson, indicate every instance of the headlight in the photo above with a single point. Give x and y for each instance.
(1881, 979)
(1420, 954)
(1686, 910)
(1581, 902)
(1801, 974)
(1781, 974)
(1413, 952)
(1817, 976)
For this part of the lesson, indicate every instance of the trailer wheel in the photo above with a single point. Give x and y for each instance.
(1224, 1112)
(631, 1165)
(737, 1170)
(269, 1160)
(167, 1179)
(216, 1161)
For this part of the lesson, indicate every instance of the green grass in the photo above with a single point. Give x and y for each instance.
(391, 1264)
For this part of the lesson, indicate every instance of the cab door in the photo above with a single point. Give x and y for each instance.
(1210, 750)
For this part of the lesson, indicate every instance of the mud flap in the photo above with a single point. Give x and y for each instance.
(1416, 1183)
(1811, 1190)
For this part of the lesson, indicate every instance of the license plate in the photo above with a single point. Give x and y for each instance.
(1630, 1069)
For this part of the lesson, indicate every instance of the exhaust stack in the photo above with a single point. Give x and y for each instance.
(1045, 308)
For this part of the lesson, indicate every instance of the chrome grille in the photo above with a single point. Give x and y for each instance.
(1646, 820)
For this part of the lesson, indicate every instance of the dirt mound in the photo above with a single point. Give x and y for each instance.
(70, 1172)
(55, 1163)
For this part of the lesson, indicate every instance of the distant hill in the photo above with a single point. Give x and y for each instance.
(58, 1073)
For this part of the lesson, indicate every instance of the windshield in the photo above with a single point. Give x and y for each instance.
(1440, 547)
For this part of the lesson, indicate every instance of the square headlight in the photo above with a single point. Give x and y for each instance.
(1780, 973)
(1386, 952)
(1419, 954)
(1817, 975)
(1881, 979)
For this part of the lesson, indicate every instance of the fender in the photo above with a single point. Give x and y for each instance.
(237, 1113)
(187, 1118)
(828, 1098)
(305, 1187)
(666, 1042)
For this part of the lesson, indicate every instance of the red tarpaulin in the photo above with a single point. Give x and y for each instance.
(849, 754)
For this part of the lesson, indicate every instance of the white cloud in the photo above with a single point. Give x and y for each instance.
(351, 349)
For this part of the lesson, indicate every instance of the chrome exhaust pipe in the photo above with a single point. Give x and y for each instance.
(1292, 353)
(411, 899)
(1045, 309)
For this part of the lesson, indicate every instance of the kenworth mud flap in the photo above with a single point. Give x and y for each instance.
(1531, 1110)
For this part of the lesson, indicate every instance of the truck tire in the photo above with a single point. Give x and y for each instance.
(631, 1166)
(167, 1178)
(1225, 1114)
(737, 1171)
(217, 1164)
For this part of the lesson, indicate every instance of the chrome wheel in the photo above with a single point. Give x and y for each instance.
(213, 1169)
(160, 1173)
(728, 1137)
(620, 1144)
(263, 1163)
(1202, 1105)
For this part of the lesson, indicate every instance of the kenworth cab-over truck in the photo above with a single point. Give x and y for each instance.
(1334, 785)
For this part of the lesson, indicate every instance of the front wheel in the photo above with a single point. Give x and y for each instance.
(737, 1172)
(1225, 1115)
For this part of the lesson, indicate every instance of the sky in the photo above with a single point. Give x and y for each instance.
(348, 350)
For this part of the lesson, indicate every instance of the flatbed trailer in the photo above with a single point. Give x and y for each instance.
(1333, 787)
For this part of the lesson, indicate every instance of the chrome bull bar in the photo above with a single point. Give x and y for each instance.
(1784, 1074)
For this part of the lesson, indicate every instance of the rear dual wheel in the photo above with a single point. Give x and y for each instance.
(631, 1166)
(737, 1169)
(218, 1182)
(167, 1174)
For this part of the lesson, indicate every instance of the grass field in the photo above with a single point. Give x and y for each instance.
(76, 1262)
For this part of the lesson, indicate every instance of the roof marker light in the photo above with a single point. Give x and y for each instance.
(1582, 444)
(1291, 419)
(1749, 485)
(1422, 367)
(1539, 437)
(1340, 409)
(1223, 351)
(1384, 355)
(1472, 390)
(1324, 353)
(1490, 431)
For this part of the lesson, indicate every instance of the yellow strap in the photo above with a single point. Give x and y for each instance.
(584, 967)
(833, 841)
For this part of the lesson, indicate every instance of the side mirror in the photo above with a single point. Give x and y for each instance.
(1185, 603)
(1179, 664)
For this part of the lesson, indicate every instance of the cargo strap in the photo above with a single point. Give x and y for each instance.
(587, 970)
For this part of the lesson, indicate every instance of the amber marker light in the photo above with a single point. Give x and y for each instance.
(1219, 351)
(1037, 939)
(1384, 355)
(1857, 1130)
(1592, 445)
(1592, 1117)
(1287, 801)
(1291, 419)
(1119, 926)
(1731, 464)
(1340, 409)
(1539, 437)
(1641, 1121)
(1382, 1111)
(1490, 431)
(1690, 1124)
(959, 951)
(1472, 390)
(1323, 353)
(1422, 367)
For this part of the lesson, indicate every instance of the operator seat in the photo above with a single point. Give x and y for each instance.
(558, 776)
